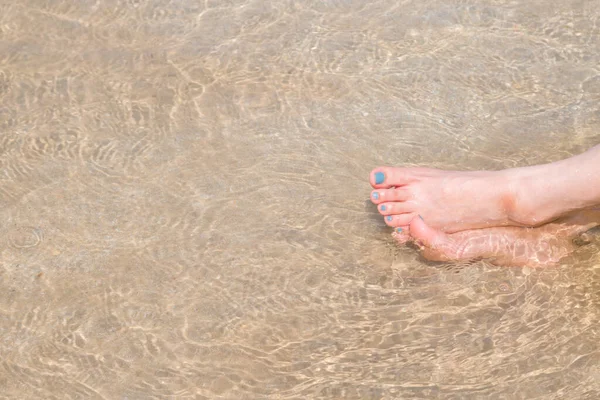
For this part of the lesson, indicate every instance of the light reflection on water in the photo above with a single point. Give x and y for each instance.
(183, 194)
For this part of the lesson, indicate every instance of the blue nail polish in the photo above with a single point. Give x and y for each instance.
(376, 196)
(389, 218)
(398, 230)
(383, 208)
(379, 177)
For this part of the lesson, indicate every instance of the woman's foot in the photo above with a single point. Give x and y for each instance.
(450, 200)
(512, 246)
(453, 201)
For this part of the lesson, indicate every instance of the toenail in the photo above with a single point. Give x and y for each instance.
(379, 177)
(389, 217)
(398, 230)
(383, 208)
(376, 196)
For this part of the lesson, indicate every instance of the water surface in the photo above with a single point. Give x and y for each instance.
(183, 193)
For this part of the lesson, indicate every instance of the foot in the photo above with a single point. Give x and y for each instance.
(501, 246)
(454, 201)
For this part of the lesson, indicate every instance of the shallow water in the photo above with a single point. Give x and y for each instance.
(183, 192)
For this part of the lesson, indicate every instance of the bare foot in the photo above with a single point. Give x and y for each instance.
(513, 246)
(453, 201)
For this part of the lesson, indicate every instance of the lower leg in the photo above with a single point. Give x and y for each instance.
(551, 190)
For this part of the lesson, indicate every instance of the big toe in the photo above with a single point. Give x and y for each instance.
(426, 235)
(435, 244)
(385, 177)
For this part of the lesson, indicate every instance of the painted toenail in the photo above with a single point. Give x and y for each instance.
(379, 177)
(389, 217)
(398, 230)
(376, 196)
(383, 208)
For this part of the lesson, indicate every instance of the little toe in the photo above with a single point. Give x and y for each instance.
(402, 234)
(385, 177)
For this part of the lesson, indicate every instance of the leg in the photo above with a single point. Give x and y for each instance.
(457, 200)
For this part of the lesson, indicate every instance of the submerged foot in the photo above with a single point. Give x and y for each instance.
(503, 245)
(454, 201)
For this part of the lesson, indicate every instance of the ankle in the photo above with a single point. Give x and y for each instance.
(533, 201)
(511, 197)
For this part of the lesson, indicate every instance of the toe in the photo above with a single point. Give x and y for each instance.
(394, 208)
(385, 177)
(401, 234)
(387, 195)
(399, 220)
(436, 245)
(430, 237)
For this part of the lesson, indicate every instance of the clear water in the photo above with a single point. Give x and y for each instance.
(183, 193)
